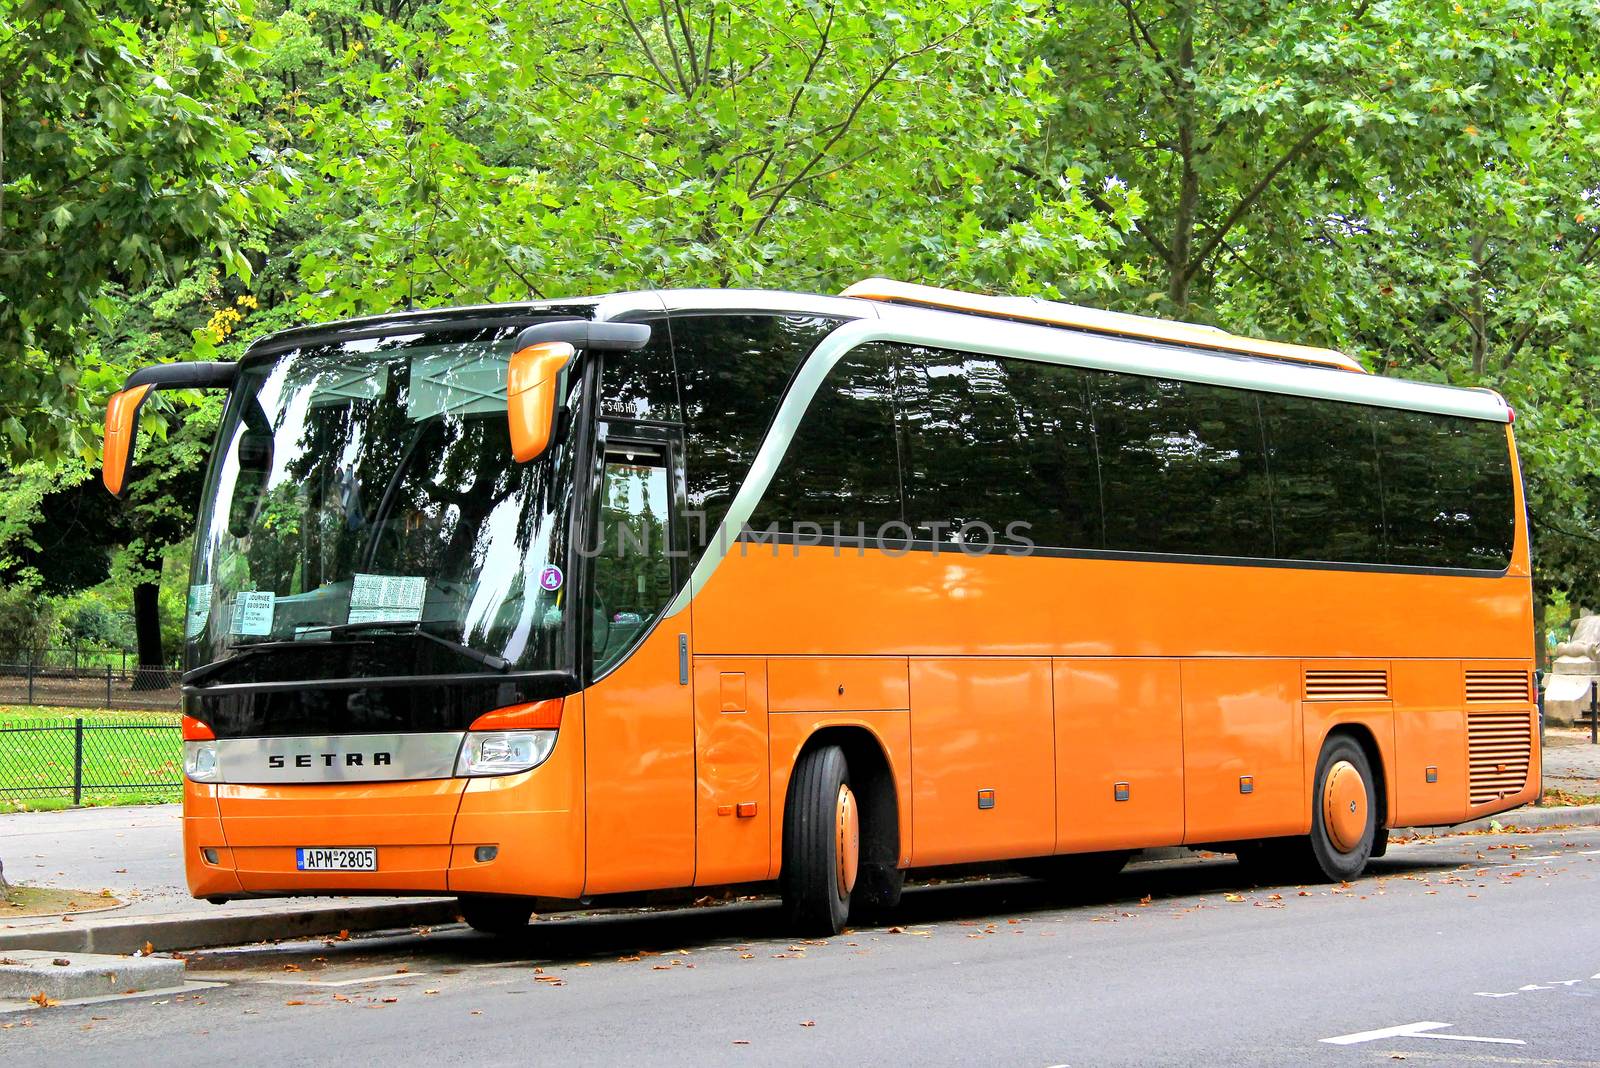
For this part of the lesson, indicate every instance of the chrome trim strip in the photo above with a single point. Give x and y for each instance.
(344, 758)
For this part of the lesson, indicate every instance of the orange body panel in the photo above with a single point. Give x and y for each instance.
(639, 770)
(955, 605)
(202, 829)
(409, 822)
(789, 732)
(837, 685)
(1241, 721)
(1118, 722)
(535, 820)
(981, 724)
(731, 770)
(1430, 731)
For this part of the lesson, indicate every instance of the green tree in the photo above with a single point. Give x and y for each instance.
(120, 162)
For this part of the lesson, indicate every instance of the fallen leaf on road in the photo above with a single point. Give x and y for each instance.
(741, 1042)
(477, 1012)
(390, 1001)
(808, 1023)
(627, 960)
(746, 956)
(43, 1000)
(149, 949)
(897, 930)
(1232, 897)
(294, 1003)
(291, 967)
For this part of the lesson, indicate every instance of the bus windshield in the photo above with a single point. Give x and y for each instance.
(363, 517)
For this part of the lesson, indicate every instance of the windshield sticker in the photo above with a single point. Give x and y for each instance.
(194, 620)
(252, 612)
(551, 578)
(387, 598)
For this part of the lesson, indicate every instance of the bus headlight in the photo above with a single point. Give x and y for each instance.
(504, 752)
(200, 761)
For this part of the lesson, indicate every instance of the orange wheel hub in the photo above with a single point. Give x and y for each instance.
(849, 839)
(1344, 806)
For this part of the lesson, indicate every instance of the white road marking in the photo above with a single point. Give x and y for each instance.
(1483, 994)
(1420, 1029)
(387, 977)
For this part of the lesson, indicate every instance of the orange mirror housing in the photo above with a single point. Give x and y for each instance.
(531, 383)
(122, 426)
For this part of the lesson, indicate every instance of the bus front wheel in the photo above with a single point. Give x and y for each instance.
(496, 915)
(821, 843)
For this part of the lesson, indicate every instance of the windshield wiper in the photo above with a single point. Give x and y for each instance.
(206, 671)
(414, 626)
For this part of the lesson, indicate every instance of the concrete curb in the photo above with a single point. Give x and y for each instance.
(200, 930)
(31, 973)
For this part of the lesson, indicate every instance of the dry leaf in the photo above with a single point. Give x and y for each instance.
(43, 1000)
(294, 1003)
(808, 1023)
(390, 1001)
(149, 949)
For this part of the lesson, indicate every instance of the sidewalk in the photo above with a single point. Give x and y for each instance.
(1570, 762)
(134, 853)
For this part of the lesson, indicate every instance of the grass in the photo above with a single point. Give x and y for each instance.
(47, 901)
(36, 764)
(1567, 797)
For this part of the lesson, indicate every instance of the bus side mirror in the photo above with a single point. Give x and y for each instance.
(531, 384)
(122, 428)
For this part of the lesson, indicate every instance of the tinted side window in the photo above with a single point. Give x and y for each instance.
(1182, 467)
(1446, 489)
(642, 384)
(842, 466)
(732, 371)
(997, 441)
(1325, 487)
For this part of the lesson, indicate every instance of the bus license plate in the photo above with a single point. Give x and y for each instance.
(357, 858)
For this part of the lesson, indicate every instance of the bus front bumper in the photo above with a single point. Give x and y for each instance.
(515, 834)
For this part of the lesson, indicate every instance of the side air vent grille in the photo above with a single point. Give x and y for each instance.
(1352, 685)
(1499, 748)
(1498, 686)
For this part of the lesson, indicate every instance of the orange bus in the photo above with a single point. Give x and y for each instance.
(571, 600)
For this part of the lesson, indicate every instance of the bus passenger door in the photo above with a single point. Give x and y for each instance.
(639, 713)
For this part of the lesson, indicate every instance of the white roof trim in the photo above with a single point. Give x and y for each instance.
(1052, 344)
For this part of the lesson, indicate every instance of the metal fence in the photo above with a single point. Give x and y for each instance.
(150, 689)
(125, 758)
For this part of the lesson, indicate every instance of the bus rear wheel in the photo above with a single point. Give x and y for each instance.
(821, 843)
(503, 916)
(1344, 818)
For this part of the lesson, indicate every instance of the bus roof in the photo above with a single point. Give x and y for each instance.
(1056, 313)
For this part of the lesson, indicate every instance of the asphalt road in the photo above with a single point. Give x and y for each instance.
(1490, 944)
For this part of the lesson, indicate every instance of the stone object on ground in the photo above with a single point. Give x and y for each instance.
(1575, 670)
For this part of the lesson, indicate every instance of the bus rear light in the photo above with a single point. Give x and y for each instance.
(200, 761)
(195, 731)
(534, 716)
(504, 752)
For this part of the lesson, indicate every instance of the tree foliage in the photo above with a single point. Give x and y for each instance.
(1411, 181)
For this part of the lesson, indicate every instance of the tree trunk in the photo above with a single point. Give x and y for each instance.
(1181, 271)
(152, 666)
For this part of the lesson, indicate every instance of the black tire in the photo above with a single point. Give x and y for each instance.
(813, 901)
(502, 916)
(1317, 857)
(1333, 863)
